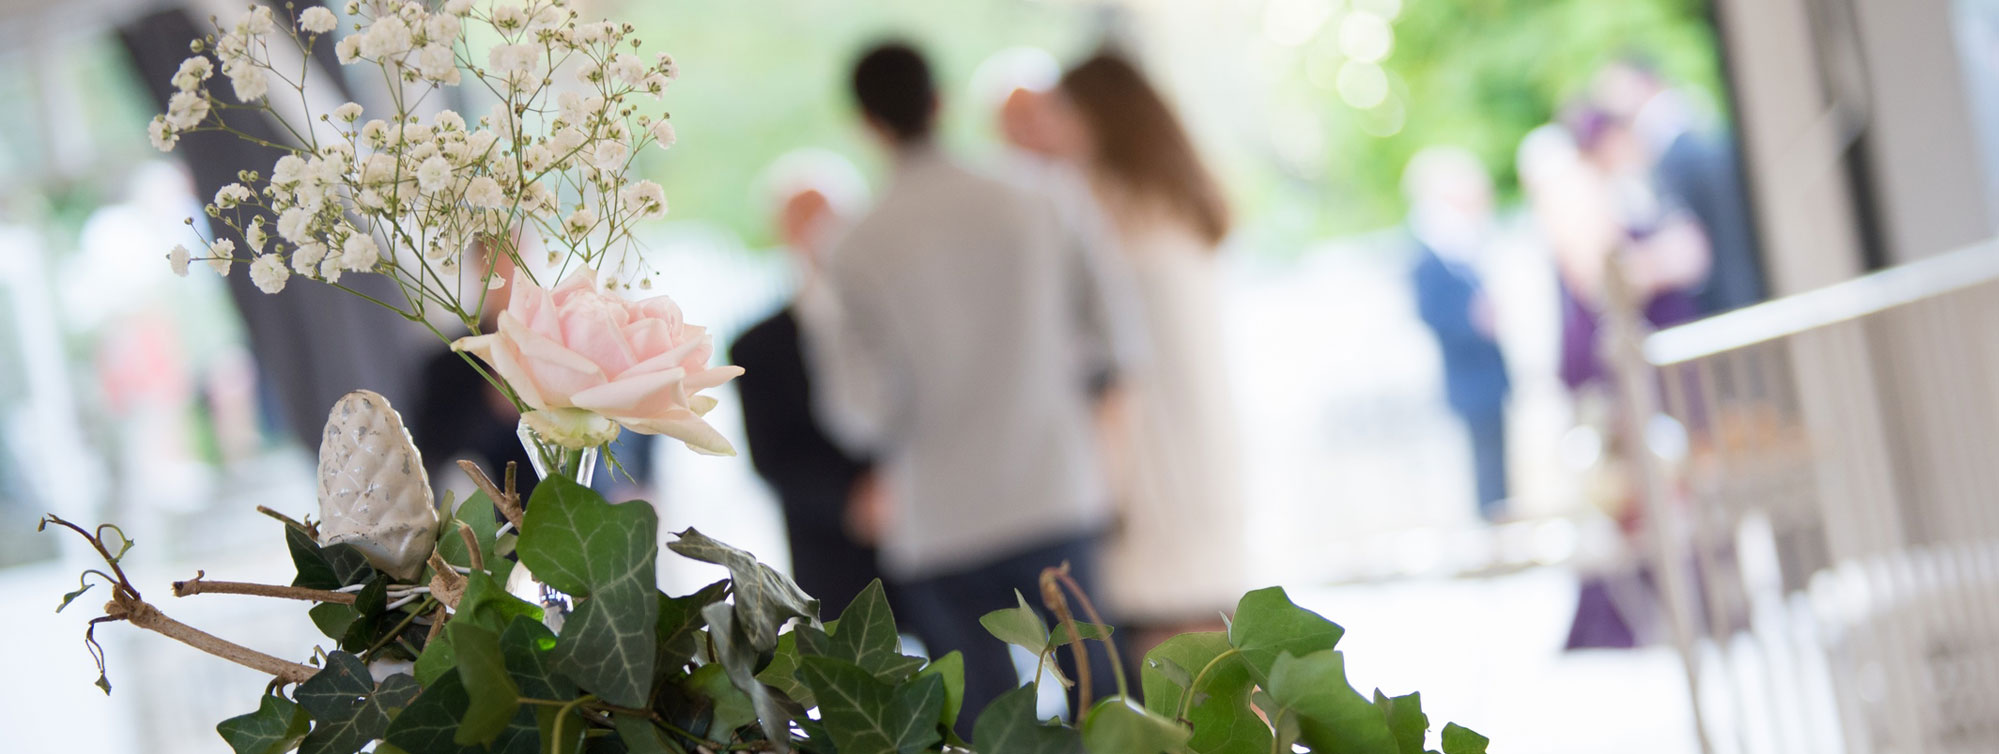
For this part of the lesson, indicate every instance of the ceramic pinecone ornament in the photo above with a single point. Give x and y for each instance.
(373, 492)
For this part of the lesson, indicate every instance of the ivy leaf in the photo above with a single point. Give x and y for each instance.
(276, 727)
(477, 513)
(865, 635)
(739, 660)
(528, 648)
(350, 710)
(487, 604)
(333, 618)
(438, 658)
(493, 698)
(640, 736)
(1332, 717)
(1223, 721)
(325, 567)
(950, 668)
(1059, 637)
(782, 671)
(1020, 626)
(71, 597)
(865, 715)
(680, 624)
(602, 554)
(733, 708)
(1461, 740)
(1405, 719)
(765, 598)
(1267, 624)
(370, 616)
(1118, 725)
(430, 725)
(1008, 726)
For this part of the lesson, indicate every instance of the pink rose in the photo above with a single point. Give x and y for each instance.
(584, 358)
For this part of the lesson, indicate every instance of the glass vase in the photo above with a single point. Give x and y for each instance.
(549, 459)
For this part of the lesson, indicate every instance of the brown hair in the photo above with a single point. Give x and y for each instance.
(1140, 147)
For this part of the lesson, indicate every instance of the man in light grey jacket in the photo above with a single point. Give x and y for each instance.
(952, 339)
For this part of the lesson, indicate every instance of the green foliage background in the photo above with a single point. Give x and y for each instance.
(763, 78)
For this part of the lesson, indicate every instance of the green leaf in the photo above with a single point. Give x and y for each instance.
(492, 694)
(325, 567)
(1059, 637)
(1332, 717)
(1020, 626)
(71, 597)
(782, 672)
(603, 555)
(865, 635)
(487, 604)
(765, 599)
(430, 724)
(477, 513)
(951, 668)
(573, 729)
(333, 618)
(739, 659)
(276, 727)
(640, 736)
(1267, 624)
(680, 624)
(1405, 719)
(1461, 740)
(1121, 726)
(865, 715)
(1223, 721)
(1008, 726)
(733, 708)
(370, 616)
(349, 709)
(438, 658)
(529, 648)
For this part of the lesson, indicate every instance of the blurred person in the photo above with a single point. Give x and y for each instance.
(832, 500)
(1693, 166)
(1451, 222)
(1169, 422)
(942, 335)
(460, 414)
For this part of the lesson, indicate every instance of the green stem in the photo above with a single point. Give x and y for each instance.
(556, 734)
(422, 607)
(1194, 686)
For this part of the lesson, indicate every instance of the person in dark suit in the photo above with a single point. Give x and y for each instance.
(1450, 198)
(1696, 169)
(831, 500)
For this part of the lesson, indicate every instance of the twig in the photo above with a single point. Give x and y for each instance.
(310, 529)
(1051, 595)
(507, 502)
(436, 625)
(471, 546)
(1117, 661)
(198, 585)
(145, 616)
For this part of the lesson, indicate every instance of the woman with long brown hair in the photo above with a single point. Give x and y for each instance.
(1178, 556)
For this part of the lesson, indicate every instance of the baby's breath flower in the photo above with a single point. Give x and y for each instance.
(347, 112)
(515, 61)
(443, 28)
(177, 258)
(579, 223)
(348, 49)
(255, 236)
(219, 255)
(287, 170)
(485, 192)
(269, 273)
(387, 37)
(306, 258)
(186, 110)
(257, 22)
(329, 270)
(436, 63)
(609, 155)
(192, 72)
(662, 133)
(375, 133)
(449, 121)
(645, 199)
(294, 224)
(458, 7)
(509, 17)
(162, 135)
(249, 81)
(231, 195)
(317, 20)
(628, 68)
(433, 174)
(359, 253)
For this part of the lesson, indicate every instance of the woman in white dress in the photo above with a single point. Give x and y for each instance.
(1177, 559)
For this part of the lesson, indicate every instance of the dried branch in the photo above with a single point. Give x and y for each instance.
(199, 585)
(478, 559)
(1051, 595)
(507, 502)
(311, 529)
(145, 616)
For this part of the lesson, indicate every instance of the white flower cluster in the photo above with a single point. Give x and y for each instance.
(407, 196)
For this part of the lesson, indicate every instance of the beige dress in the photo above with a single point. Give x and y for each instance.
(1178, 553)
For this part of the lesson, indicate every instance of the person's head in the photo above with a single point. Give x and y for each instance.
(1130, 138)
(1014, 84)
(807, 192)
(1624, 86)
(892, 83)
(1448, 178)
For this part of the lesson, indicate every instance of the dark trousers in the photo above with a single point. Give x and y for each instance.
(1487, 428)
(944, 612)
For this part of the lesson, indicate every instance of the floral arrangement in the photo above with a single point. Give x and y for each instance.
(429, 649)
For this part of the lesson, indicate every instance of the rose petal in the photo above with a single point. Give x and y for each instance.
(684, 425)
(708, 378)
(505, 360)
(635, 397)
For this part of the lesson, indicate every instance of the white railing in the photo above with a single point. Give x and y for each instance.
(1827, 532)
